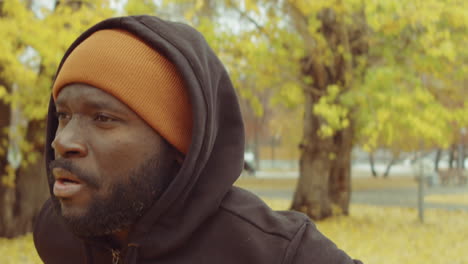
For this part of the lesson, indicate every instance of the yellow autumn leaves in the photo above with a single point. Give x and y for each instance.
(18, 250)
(389, 235)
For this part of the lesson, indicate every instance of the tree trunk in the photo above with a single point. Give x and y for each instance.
(437, 159)
(6, 193)
(463, 157)
(452, 157)
(312, 192)
(389, 166)
(20, 204)
(372, 165)
(340, 177)
(9, 208)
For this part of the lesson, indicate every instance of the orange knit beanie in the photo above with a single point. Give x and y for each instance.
(124, 66)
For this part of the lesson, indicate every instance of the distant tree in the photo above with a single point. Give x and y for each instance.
(374, 74)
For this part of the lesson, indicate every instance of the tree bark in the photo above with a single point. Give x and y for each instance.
(312, 192)
(340, 177)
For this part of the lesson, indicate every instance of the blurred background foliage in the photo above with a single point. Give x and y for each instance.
(34, 39)
(410, 87)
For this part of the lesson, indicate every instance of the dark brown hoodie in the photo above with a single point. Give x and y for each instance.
(201, 217)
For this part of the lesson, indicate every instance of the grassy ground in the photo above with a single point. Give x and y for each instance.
(18, 251)
(357, 184)
(448, 199)
(393, 235)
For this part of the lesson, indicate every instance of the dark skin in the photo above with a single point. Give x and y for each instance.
(99, 134)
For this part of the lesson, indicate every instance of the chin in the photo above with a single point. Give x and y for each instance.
(72, 211)
(67, 210)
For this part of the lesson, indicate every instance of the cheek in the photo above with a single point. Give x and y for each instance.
(119, 156)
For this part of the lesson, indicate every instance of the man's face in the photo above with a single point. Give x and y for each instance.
(109, 164)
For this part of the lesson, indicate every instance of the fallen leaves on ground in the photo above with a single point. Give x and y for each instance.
(358, 183)
(394, 235)
(19, 250)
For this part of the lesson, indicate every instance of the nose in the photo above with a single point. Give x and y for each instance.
(69, 141)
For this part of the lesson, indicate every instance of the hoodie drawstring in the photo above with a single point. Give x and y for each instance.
(131, 255)
(88, 254)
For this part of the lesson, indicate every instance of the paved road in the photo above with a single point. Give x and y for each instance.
(404, 197)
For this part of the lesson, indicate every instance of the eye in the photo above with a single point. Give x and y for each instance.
(62, 116)
(100, 117)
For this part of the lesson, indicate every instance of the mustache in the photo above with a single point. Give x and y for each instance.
(82, 175)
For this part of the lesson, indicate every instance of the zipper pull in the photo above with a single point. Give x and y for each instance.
(115, 256)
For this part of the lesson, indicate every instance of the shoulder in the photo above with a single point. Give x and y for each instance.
(251, 210)
(311, 246)
(53, 242)
(300, 240)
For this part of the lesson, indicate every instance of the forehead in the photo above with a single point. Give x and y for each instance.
(87, 95)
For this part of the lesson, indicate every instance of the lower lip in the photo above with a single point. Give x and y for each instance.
(64, 189)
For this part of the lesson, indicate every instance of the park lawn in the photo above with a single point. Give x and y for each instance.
(461, 199)
(357, 183)
(18, 251)
(389, 235)
(384, 235)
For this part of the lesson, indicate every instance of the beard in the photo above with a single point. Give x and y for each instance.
(125, 202)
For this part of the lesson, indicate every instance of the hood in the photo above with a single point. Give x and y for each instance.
(215, 157)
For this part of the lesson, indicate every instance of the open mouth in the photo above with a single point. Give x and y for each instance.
(64, 176)
(67, 181)
(66, 184)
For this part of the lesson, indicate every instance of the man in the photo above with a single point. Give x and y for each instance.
(144, 141)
